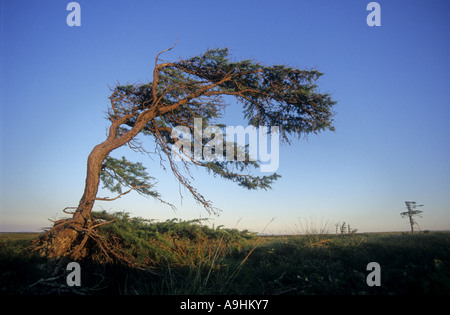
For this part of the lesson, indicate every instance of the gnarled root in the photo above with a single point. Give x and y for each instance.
(58, 242)
(71, 239)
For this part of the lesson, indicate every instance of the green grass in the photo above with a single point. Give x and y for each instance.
(409, 265)
(17, 236)
(18, 267)
(190, 257)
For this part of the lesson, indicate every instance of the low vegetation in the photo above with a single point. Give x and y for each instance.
(193, 257)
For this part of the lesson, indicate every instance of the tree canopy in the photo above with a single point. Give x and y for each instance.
(192, 88)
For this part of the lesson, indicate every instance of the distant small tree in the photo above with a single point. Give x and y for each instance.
(411, 213)
(343, 228)
(337, 225)
(351, 231)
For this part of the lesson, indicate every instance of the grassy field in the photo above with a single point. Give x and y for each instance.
(187, 257)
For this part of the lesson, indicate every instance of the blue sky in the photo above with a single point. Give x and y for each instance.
(391, 83)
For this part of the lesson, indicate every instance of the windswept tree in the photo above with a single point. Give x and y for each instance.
(180, 92)
(412, 213)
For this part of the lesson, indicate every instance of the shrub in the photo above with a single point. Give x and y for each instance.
(175, 242)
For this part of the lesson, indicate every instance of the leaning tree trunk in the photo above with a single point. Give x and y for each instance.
(68, 237)
(63, 239)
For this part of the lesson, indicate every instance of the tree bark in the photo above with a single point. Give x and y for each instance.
(63, 236)
(94, 166)
(63, 239)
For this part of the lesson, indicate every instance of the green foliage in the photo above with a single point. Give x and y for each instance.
(270, 96)
(219, 168)
(174, 242)
(119, 173)
(274, 95)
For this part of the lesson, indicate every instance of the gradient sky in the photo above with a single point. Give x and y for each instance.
(391, 83)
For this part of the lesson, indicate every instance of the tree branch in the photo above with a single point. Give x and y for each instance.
(120, 195)
(166, 50)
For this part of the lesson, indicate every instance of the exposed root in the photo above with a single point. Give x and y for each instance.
(70, 239)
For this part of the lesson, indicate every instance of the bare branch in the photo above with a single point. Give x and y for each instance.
(120, 195)
(66, 208)
(166, 50)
